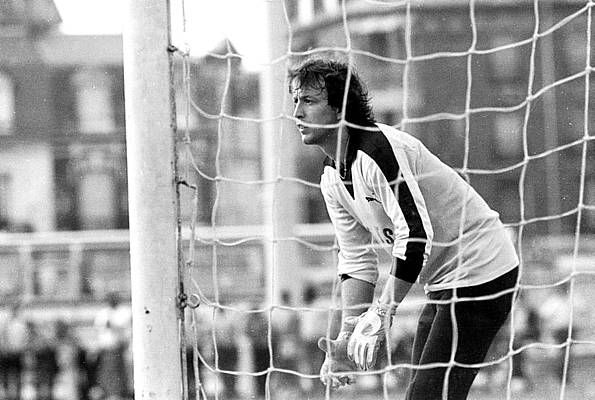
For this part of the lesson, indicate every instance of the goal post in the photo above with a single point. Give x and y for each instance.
(278, 160)
(152, 200)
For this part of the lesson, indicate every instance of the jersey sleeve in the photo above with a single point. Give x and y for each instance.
(404, 204)
(357, 258)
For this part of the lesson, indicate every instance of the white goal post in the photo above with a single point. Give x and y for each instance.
(152, 200)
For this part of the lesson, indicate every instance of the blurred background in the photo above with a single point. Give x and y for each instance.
(514, 115)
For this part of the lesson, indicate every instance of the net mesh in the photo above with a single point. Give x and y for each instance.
(499, 91)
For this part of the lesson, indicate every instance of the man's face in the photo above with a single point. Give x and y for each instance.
(311, 107)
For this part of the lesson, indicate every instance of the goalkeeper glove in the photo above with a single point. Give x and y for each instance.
(336, 360)
(369, 334)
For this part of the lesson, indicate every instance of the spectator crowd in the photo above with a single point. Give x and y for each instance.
(48, 360)
(244, 350)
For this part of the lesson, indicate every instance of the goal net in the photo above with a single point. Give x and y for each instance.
(499, 90)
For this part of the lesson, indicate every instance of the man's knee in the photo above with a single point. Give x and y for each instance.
(429, 384)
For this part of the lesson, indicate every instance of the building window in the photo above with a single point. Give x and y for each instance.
(380, 36)
(117, 99)
(505, 63)
(91, 192)
(510, 93)
(379, 43)
(389, 117)
(575, 51)
(574, 122)
(332, 6)
(4, 193)
(291, 8)
(65, 100)
(6, 104)
(97, 200)
(94, 103)
(590, 201)
(199, 156)
(305, 12)
(508, 202)
(508, 134)
(99, 170)
(318, 8)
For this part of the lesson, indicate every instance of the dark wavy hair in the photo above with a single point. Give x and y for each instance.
(329, 74)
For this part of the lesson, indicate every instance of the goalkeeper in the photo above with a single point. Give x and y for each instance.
(381, 186)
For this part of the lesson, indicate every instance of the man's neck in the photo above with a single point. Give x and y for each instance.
(336, 152)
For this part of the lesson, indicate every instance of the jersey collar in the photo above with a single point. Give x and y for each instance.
(351, 153)
(352, 147)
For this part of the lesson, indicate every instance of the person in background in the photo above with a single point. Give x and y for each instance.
(257, 330)
(314, 323)
(527, 330)
(70, 382)
(226, 335)
(114, 331)
(41, 362)
(555, 316)
(14, 338)
(286, 341)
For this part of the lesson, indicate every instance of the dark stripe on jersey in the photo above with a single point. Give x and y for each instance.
(377, 147)
(329, 162)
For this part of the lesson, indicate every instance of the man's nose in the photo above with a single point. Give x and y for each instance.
(297, 111)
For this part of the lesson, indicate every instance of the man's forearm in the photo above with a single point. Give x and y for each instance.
(394, 291)
(373, 325)
(356, 296)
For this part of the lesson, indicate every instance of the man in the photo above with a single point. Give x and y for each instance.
(381, 186)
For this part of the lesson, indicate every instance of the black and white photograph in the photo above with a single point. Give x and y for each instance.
(297, 200)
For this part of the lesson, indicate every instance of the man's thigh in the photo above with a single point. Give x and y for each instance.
(475, 331)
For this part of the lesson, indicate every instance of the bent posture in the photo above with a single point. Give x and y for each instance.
(383, 188)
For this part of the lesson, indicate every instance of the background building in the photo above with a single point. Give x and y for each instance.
(62, 130)
(63, 165)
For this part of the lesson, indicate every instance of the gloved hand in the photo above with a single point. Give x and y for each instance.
(336, 360)
(369, 335)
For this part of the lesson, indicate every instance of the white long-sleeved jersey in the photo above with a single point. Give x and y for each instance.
(396, 194)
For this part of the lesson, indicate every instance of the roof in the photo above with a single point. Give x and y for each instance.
(37, 14)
